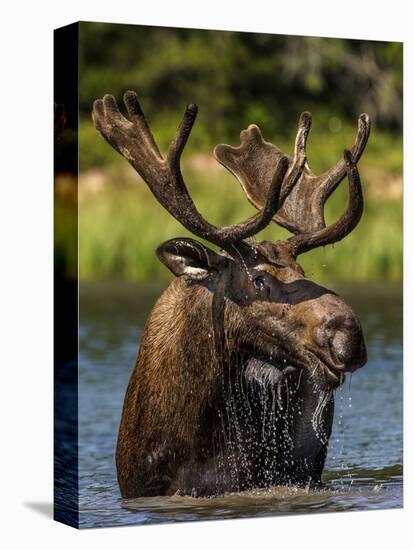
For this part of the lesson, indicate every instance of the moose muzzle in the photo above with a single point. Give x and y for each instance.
(340, 340)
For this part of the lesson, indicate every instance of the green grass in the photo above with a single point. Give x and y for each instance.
(121, 226)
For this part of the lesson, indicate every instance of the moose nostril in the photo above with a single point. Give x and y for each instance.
(340, 344)
(347, 347)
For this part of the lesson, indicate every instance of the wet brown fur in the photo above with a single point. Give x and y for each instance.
(234, 318)
(172, 391)
(170, 423)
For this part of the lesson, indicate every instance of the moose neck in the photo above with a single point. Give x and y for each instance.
(178, 351)
(217, 416)
(171, 400)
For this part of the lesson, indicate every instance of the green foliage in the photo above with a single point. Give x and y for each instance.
(326, 143)
(236, 79)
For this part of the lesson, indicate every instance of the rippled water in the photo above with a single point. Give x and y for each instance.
(364, 464)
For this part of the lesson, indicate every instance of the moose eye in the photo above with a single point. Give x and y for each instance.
(259, 282)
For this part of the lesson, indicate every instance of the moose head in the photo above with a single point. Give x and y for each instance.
(237, 319)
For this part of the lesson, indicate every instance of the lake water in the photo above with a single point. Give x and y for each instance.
(364, 466)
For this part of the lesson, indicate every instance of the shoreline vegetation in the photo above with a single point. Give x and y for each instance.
(236, 78)
(121, 224)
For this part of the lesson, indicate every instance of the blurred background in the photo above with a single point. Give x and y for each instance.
(236, 79)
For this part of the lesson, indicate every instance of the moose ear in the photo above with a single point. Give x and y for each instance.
(189, 257)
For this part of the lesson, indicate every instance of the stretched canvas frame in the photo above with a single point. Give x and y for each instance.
(77, 500)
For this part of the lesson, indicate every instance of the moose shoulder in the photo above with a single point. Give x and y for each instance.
(234, 381)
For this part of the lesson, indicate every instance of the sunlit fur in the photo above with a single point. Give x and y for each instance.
(233, 385)
(200, 413)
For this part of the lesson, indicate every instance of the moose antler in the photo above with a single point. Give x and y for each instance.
(133, 140)
(303, 194)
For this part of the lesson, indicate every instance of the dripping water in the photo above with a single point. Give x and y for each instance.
(317, 418)
(339, 442)
(243, 262)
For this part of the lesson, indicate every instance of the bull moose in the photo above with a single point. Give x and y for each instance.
(233, 387)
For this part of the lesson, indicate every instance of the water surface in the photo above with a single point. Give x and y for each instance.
(364, 464)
